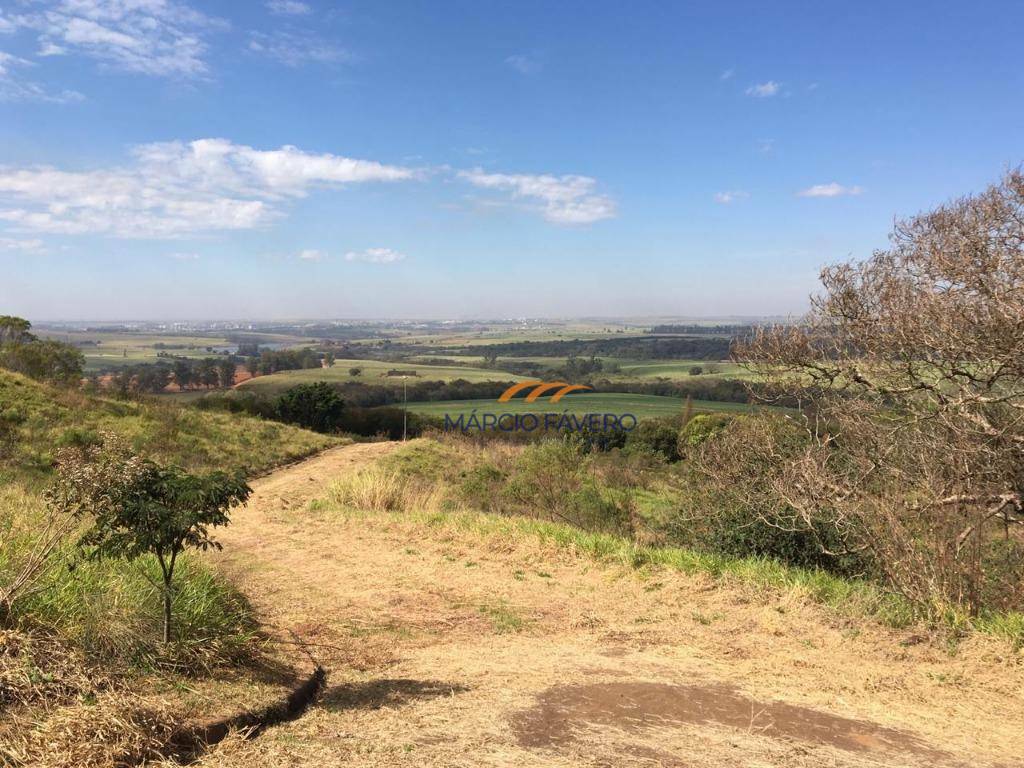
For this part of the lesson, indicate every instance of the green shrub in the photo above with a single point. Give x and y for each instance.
(739, 532)
(480, 487)
(313, 406)
(112, 608)
(699, 429)
(656, 436)
(553, 479)
(731, 507)
(79, 437)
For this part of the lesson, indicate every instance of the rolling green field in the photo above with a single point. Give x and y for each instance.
(373, 372)
(513, 333)
(641, 406)
(675, 369)
(107, 349)
(629, 369)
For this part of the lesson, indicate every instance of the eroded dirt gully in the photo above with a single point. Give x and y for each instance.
(448, 647)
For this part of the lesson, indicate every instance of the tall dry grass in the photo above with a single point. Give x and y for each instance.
(381, 489)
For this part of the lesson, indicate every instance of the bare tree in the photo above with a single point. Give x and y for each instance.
(909, 370)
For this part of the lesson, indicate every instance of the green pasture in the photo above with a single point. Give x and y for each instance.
(629, 369)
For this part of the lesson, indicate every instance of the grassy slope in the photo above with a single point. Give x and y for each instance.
(111, 608)
(45, 417)
(448, 626)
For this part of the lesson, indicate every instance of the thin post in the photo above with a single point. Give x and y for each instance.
(405, 407)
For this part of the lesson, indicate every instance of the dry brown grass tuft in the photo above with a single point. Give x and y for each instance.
(119, 729)
(36, 668)
(381, 489)
(59, 711)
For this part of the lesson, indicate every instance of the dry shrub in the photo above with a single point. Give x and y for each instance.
(910, 374)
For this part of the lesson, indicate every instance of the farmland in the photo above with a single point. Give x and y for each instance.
(618, 368)
(106, 349)
(372, 372)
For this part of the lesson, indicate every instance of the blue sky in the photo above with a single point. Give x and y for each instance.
(163, 159)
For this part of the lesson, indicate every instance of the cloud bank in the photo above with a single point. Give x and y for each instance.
(560, 199)
(177, 188)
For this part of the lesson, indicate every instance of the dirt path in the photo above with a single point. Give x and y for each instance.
(448, 647)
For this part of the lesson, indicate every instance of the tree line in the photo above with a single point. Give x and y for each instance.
(204, 373)
(630, 347)
(187, 373)
(322, 407)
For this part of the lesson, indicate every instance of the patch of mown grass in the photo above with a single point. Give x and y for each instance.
(849, 597)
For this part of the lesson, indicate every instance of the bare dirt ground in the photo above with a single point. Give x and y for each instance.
(451, 648)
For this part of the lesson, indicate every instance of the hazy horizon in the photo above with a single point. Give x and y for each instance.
(385, 320)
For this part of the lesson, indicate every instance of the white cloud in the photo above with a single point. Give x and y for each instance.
(177, 188)
(524, 64)
(766, 146)
(153, 37)
(311, 255)
(8, 60)
(563, 199)
(22, 246)
(295, 49)
(185, 256)
(13, 88)
(829, 190)
(375, 256)
(51, 49)
(6, 25)
(727, 74)
(764, 90)
(288, 7)
(731, 196)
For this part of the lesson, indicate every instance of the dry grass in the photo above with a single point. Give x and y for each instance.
(440, 637)
(62, 712)
(118, 730)
(381, 489)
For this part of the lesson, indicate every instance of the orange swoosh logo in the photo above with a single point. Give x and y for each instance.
(515, 389)
(565, 391)
(539, 388)
(544, 388)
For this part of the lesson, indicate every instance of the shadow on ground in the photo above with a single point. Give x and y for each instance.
(563, 713)
(375, 694)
